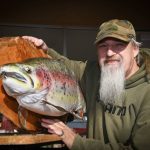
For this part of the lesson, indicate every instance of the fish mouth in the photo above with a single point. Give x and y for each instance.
(13, 75)
(16, 76)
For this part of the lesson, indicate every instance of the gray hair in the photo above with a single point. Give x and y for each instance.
(139, 59)
(135, 43)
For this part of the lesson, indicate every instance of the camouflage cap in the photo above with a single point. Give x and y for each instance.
(119, 29)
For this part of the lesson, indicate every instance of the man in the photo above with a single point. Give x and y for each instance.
(117, 93)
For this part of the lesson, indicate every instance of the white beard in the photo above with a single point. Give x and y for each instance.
(111, 83)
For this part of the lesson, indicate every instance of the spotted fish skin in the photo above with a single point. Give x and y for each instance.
(44, 86)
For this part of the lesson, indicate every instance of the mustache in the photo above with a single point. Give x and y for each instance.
(109, 59)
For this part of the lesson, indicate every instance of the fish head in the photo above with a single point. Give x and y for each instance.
(22, 78)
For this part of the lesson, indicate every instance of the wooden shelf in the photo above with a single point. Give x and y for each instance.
(23, 139)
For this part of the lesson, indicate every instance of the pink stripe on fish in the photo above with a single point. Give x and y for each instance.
(44, 77)
(61, 77)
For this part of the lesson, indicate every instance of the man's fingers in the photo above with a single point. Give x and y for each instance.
(55, 121)
(36, 41)
(30, 38)
(54, 128)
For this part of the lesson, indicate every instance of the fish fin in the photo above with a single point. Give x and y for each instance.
(58, 107)
(79, 114)
(22, 116)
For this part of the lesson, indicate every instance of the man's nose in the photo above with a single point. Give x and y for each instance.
(110, 52)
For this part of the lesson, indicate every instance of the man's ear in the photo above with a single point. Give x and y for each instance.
(136, 51)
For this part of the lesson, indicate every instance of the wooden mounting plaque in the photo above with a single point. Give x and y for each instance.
(24, 139)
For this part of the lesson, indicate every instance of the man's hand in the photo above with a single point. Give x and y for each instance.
(37, 42)
(59, 128)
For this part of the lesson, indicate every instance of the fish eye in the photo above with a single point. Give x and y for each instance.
(27, 69)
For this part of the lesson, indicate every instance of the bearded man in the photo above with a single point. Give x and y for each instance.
(116, 89)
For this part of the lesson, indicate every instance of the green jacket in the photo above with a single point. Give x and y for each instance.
(121, 126)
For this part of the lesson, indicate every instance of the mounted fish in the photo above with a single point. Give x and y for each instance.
(12, 50)
(44, 86)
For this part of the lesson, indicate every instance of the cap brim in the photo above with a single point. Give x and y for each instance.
(116, 36)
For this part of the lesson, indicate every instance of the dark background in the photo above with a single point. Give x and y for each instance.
(70, 26)
(74, 12)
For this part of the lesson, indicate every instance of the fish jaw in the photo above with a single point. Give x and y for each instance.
(36, 102)
(16, 81)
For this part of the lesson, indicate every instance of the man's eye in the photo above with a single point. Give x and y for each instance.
(120, 46)
(102, 46)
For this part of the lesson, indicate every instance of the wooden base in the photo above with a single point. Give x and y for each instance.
(17, 139)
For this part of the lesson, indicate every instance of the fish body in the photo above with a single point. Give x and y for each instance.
(44, 86)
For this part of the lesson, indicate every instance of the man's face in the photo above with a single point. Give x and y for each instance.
(114, 52)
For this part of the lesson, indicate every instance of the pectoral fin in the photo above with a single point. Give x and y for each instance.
(78, 114)
(58, 107)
